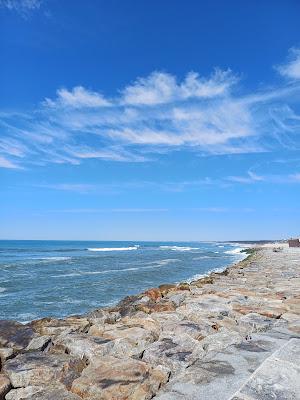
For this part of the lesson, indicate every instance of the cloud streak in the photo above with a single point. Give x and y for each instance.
(159, 88)
(291, 69)
(152, 116)
(23, 7)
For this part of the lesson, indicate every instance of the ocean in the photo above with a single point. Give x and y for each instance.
(59, 278)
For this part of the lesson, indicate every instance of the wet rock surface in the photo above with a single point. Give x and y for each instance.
(231, 335)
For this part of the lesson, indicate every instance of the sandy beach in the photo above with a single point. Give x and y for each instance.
(231, 335)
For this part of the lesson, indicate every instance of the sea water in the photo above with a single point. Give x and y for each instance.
(59, 278)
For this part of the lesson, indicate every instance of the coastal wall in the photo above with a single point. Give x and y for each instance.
(215, 338)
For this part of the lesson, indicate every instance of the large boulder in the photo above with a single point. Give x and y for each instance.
(115, 379)
(160, 306)
(175, 353)
(39, 343)
(220, 341)
(132, 332)
(91, 348)
(143, 321)
(211, 305)
(254, 322)
(15, 335)
(52, 326)
(38, 368)
(82, 346)
(22, 393)
(195, 330)
(40, 393)
(5, 354)
(130, 336)
(101, 315)
(4, 386)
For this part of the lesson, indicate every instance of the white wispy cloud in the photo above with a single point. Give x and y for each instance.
(23, 7)
(295, 177)
(78, 97)
(117, 187)
(160, 87)
(5, 163)
(69, 187)
(151, 117)
(291, 69)
(250, 178)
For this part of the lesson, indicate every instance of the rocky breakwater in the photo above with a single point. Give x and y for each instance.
(201, 340)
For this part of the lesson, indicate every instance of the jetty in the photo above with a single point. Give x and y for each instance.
(233, 335)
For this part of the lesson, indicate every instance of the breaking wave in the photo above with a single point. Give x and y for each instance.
(112, 248)
(234, 251)
(178, 248)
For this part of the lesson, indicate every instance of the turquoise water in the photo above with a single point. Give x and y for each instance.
(58, 278)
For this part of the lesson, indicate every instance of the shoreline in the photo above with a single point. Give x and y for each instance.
(175, 285)
(172, 342)
(209, 264)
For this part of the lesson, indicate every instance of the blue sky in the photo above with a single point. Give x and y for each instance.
(144, 120)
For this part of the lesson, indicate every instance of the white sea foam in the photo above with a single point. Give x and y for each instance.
(66, 275)
(221, 246)
(106, 271)
(153, 264)
(2, 289)
(178, 248)
(201, 257)
(53, 258)
(26, 317)
(113, 248)
(161, 263)
(199, 276)
(235, 251)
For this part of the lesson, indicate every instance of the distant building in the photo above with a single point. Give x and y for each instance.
(294, 242)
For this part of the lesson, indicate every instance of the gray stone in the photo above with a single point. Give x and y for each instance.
(177, 298)
(55, 394)
(5, 354)
(175, 353)
(112, 378)
(274, 381)
(82, 346)
(220, 340)
(195, 330)
(4, 386)
(15, 335)
(101, 316)
(38, 343)
(38, 368)
(53, 326)
(254, 322)
(41, 393)
(278, 376)
(290, 352)
(23, 393)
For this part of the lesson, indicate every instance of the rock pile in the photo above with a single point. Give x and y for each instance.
(201, 340)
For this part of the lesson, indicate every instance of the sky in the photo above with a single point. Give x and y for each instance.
(149, 120)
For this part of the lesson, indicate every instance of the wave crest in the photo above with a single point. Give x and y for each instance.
(112, 248)
(234, 251)
(178, 248)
